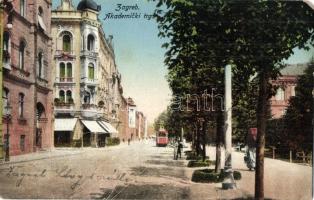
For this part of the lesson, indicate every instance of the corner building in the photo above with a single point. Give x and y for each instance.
(85, 77)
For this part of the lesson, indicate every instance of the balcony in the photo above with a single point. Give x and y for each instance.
(64, 54)
(64, 80)
(64, 108)
(90, 110)
(89, 54)
(88, 81)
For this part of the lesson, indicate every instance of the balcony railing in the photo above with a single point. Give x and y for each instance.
(64, 106)
(89, 53)
(64, 79)
(61, 53)
(89, 81)
(89, 106)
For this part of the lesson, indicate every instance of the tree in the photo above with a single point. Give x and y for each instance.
(254, 36)
(298, 118)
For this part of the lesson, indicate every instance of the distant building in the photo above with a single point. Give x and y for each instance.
(27, 86)
(287, 83)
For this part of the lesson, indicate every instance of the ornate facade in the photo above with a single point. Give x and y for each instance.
(86, 80)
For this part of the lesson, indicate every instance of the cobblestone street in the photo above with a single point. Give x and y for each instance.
(138, 171)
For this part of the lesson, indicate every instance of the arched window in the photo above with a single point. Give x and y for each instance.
(22, 54)
(40, 11)
(91, 72)
(69, 96)
(87, 98)
(22, 7)
(62, 96)
(40, 16)
(40, 65)
(66, 39)
(62, 72)
(69, 72)
(280, 95)
(40, 110)
(21, 105)
(90, 42)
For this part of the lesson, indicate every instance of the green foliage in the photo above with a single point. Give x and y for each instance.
(112, 141)
(206, 176)
(298, 129)
(209, 176)
(200, 163)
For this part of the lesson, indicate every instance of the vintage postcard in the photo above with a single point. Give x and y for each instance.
(156, 99)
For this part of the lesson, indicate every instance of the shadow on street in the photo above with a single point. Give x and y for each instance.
(146, 191)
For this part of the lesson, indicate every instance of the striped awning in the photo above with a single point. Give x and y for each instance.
(65, 124)
(94, 127)
(113, 132)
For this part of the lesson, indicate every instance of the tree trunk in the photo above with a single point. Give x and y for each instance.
(204, 140)
(219, 132)
(197, 140)
(261, 127)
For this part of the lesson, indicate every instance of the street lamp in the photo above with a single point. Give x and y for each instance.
(7, 117)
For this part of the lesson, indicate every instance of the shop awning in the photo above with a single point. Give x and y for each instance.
(65, 124)
(94, 127)
(113, 132)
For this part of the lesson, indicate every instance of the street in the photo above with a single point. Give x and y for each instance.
(140, 171)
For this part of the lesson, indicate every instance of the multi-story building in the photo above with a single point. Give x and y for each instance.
(84, 74)
(27, 89)
(286, 88)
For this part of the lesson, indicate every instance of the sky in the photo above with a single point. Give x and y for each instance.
(139, 56)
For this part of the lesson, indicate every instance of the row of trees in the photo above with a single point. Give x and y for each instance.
(254, 36)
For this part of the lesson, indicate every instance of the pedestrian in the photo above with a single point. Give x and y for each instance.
(179, 148)
(129, 141)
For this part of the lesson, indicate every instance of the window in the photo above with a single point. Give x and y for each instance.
(21, 54)
(40, 65)
(66, 43)
(6, 47)
(21, 105)
(69, 72)
(41, 22)
(91, 72)
(292, 91)
(22, 7)
(280, 95)
(62, 71)
(90, 43)
(61, 96)
(69, 97)
(5, 98)
(87, 98)
(22, 142)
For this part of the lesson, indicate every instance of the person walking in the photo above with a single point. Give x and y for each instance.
(179, 149)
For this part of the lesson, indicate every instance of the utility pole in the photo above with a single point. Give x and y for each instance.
(228, 182)
(1, 74)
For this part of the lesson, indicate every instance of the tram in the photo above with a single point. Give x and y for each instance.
(161, 138)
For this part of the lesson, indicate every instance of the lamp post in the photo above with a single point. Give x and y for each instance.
(7, 117)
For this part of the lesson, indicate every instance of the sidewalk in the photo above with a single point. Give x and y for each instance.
(41, 155)
(282, 180)
(57, 153)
